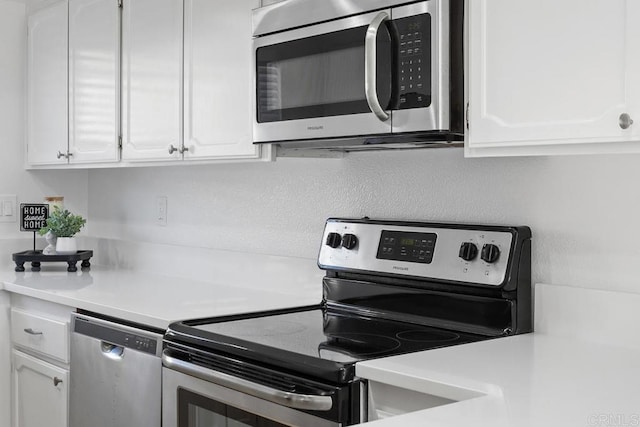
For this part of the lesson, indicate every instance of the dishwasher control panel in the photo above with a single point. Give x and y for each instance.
(113, 334)
(140, 343)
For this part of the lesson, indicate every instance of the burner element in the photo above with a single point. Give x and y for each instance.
(427, 336)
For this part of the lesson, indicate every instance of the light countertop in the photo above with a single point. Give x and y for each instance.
(529, 380)
(547, 378)
(154, 300)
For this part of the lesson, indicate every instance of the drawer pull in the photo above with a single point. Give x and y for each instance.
(56, 381)
(32, 332)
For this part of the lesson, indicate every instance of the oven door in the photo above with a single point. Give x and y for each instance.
(190, 400)
(327, 80)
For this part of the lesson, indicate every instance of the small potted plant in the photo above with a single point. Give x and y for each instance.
(64, 225)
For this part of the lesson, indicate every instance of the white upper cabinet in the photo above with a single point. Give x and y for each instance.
(106, 83)
(217, 89)
(152, 79)
(94, 80)
(47, 132)
(633, 65)
(552, 76)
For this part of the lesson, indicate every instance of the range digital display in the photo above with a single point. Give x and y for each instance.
(408, 247)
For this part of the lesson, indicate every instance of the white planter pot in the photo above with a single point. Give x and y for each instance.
(66, 246)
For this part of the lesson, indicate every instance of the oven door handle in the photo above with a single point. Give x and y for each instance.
(290, 400)
(370, 64)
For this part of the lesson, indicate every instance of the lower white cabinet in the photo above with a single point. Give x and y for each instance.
(40, 334)
(40, 392)
(5, 361)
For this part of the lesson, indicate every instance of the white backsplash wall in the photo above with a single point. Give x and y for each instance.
(29, 187)
(583, 211)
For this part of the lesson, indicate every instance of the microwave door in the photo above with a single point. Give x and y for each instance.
(324, 81)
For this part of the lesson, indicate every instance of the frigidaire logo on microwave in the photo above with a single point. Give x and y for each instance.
(395, 267)
(315, 127)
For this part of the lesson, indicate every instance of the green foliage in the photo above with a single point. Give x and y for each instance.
(63, 223)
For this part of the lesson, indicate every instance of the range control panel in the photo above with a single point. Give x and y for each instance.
(462, 253)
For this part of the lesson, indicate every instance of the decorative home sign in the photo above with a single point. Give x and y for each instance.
(33, 216)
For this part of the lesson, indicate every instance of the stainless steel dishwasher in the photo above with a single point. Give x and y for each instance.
(116, 375)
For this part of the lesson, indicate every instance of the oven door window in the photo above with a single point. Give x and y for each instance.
(198, 411)
(320, 76)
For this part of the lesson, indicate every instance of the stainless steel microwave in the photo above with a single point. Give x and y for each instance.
(358, 74)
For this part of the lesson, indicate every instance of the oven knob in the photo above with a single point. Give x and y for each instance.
(468, 251)
(334, 240)
(349, 241)
(490, 253)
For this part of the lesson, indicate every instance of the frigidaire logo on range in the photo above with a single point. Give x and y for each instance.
(395, 267)
(315, 127)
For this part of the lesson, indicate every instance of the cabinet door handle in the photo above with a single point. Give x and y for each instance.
(172, 149)
(32, 332)
(625, 121)
(56, 381)
(61, 155)
(183, 149)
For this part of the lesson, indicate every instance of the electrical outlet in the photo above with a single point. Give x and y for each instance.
(161, 210)
(8, 208)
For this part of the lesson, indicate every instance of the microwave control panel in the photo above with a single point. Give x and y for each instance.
(413, 59)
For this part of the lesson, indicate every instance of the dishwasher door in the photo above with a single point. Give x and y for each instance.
(116, 375)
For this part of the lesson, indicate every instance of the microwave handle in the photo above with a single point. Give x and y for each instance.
(370, 63)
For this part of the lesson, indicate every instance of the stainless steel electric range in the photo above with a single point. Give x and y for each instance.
(390, 288)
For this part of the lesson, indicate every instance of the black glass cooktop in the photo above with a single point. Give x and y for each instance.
(314, 339)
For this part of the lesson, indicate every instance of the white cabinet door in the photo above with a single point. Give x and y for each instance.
(152, 79)
(633, 67)
(40, 393)
(94, 80)
(546, 72)
(47, 133)
(5, 361)
(217, 89)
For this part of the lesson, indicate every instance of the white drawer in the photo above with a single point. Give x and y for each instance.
(41, 334)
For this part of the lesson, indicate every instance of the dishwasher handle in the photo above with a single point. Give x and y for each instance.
(112, 351)
(288, 399)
